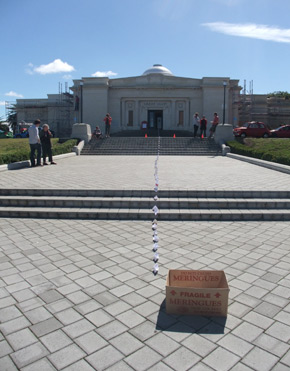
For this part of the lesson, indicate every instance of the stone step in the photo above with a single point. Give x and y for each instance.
(143, 202)
(148, 146)
(177, 194)
(145, 214)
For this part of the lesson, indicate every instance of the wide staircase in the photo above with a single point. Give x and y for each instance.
(137, 204)
(135, 143)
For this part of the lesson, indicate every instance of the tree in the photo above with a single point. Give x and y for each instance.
(12, 117)
(279, 94)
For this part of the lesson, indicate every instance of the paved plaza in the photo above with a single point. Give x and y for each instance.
(137, 172)
(80, 295)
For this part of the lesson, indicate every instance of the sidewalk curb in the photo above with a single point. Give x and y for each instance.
(267, 164)
(24, 164)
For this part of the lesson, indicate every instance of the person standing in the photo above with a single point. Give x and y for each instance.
(34, 142)
(215, 123)
(203, 123)
(45, 136)
(196, 122)
(108, 120)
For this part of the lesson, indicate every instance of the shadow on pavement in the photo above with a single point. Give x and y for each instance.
(189, 324)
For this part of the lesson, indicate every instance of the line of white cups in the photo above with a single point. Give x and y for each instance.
(156, 211)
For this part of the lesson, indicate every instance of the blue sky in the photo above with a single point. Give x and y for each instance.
(47, 42)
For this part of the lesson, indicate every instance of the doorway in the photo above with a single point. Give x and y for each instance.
(155, 119)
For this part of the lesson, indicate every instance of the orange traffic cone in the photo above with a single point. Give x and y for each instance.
(174, 136)
(202, 136)
(145, 135)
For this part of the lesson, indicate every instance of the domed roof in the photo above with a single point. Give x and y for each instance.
(158, 68)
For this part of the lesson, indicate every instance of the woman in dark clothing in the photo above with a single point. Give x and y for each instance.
(45, 136)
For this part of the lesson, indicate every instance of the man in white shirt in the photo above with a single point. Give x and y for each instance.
(34, 142)
(196, 122)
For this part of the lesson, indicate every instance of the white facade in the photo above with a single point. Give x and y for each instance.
(157, 97)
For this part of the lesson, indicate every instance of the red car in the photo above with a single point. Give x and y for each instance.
(252, 129)
(281, 132)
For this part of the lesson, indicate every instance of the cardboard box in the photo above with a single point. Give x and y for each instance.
(202, 292)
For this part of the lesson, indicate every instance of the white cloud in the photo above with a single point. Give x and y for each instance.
(13, 94)
(251, 30)
(2, 102)
(57, 66)
(104, 74)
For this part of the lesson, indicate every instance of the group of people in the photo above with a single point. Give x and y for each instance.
(97, 132)
(40, 142)
(202, 124)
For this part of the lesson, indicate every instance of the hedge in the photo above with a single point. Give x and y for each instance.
(14, 150)
(273, 150)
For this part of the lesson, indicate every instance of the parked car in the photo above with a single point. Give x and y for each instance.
(5, 134)
(252, 129)
(22, 134)
(281, 132)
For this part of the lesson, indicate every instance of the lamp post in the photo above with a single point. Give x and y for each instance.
(224, 107)
(81, 85)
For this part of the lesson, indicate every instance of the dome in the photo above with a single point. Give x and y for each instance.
(158, 68)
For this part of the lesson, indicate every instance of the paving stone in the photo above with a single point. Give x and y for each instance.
(130, 318)
(14, 325)
(143, 358)
(68, 316)
(126, 343)
(59, 305)
(43, 365)
(30, 354)
(258, 359)
(181, 359)
(106, 298)
(55, 340)
(21, 339)
(279, 331)
(146, 309)
(5, 348)
(66, 356)
(8, 313)
(267, 309)
(7, 364)
(78, 328)
(120, 366)
(37, 315)
(117, 308)
(104, 358)
(235, 345)
(286, 359)
(162, 344)
(87, 307)
(144, 331)
(272, 345)
(199, 345)
(99, 317)
(221, 360)
(247, 331)
(50, 296)
(45, 327)
(81, 365)
(91, 342)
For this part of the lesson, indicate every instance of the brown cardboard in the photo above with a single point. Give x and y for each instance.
(200, 292)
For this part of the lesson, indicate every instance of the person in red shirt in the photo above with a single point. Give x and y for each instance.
(203, 123)
(215, 123)
(108, 120)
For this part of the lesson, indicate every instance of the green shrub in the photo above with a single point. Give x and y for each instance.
(270, 149)
(14, 150)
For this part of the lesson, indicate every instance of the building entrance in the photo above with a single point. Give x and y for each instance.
(155, 119)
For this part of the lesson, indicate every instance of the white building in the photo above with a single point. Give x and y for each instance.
(157, 96)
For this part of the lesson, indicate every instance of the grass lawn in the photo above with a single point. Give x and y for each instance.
(13, 150)
(269, 149)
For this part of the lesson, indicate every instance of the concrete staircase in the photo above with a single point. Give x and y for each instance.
(180, 146)
(137, 204)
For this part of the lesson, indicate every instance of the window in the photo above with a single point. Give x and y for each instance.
(130, 118)
(180, 117)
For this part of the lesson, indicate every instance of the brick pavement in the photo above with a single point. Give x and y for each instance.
(79, 295)
(136, 172)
